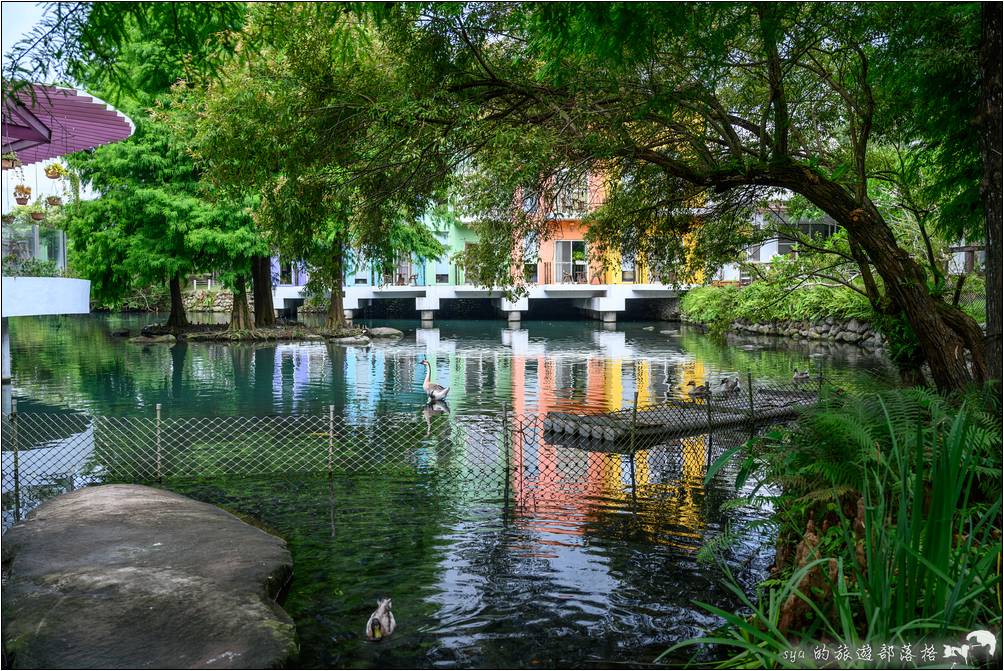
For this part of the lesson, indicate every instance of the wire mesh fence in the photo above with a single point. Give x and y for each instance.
(969, 293)
(45, 454)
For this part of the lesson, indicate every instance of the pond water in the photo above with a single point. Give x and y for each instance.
(75, 363)
(566, 557)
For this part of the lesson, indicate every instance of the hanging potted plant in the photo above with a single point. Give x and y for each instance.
(54, 201)
(10, 160)
(36, 212)
(55, 171)
(22, 194)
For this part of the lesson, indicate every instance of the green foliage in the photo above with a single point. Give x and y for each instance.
(909, 484)
(16, 267)
(765, 301)
(133, 46)
(928, 81)
(317, 142)
(150, 298)
(714, 306)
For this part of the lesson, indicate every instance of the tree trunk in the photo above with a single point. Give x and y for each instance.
(945, 333)
(950, 340)
(990, 149)
(336, 312)
(178, 319)
(261, 286)
(240, 314)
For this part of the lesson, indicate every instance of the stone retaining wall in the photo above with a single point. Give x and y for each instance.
(206, 300)
(851, 331)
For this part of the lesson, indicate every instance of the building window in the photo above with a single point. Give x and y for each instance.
(285, 272)
(570, 261)
(530, 272)
(360, 280)
(442, 278)
(628, 272)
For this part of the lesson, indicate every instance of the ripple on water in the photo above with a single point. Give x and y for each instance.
(544, 581)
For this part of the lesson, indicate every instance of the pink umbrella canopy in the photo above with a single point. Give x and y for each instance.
(43, 122)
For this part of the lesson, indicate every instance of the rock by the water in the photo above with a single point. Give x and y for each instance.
(351, 340)
(384, 332)
(150, 339)
(313, 336)
(132, 577)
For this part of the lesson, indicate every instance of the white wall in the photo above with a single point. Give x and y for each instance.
(30, 296)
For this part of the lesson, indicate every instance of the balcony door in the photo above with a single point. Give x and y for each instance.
(570, 261)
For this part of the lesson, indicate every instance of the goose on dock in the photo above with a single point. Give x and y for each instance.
(800, 376)
(435, 392)
(697, 391)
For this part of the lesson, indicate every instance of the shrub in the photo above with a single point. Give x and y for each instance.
(710, 305)
(768, 302)
(16, 267)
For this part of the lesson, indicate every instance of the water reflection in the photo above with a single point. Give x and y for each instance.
(564, 563)
(75, 363)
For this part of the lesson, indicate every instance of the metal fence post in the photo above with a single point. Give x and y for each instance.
(707, 402)
(331, 440)
(158, 443)
(749, 389)
(505, 450)
(17, 465)
(634, 447)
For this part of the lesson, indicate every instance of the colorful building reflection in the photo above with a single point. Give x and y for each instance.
(568, 481)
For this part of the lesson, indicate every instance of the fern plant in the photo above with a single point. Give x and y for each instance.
(921, 556)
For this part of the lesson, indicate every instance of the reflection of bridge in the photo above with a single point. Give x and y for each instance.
(602, 301)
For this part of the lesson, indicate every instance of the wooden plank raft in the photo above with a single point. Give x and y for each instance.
(676, 420)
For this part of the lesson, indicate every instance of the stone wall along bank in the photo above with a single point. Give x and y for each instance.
(851, 331)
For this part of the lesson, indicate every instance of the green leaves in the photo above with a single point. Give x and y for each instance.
(903, 525)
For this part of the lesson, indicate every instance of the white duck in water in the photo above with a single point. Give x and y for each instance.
(436, 392)
(381, 623)
(800, 376)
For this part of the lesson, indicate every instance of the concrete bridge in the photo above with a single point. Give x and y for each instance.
(600, 301)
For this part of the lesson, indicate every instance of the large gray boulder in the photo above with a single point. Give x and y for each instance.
(125, 576)
(384, 332)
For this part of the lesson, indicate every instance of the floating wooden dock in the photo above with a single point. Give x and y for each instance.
(653, 425)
